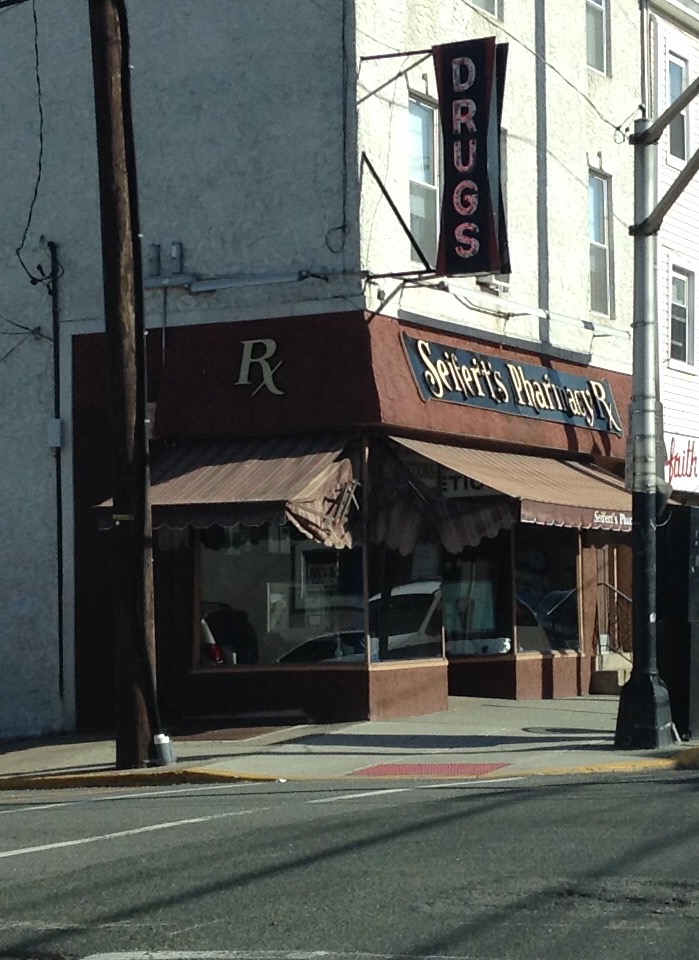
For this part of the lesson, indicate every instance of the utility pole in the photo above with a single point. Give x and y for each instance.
(644, 720)
(138, 734)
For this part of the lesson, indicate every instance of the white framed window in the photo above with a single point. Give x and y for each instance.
(490, 6)
(681, 315)
(597, 24)
(600, 247)
(678, 137)
(424, 193)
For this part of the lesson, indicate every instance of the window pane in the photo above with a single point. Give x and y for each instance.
(676, 79)
(676, 83)
(422, 167)
(599, 279)
(596, 39)
(597, 210)
(678, 338)
(678, 138)
(681, 347)
(679, 291)
(489, 5)
(423, 219)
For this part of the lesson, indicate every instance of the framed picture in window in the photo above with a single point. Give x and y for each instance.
(316, 575)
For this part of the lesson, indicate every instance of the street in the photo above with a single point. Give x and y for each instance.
(531, 868)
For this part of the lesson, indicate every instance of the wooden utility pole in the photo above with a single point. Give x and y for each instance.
(132, 615)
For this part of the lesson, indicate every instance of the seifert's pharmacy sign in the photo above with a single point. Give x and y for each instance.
(455, 375)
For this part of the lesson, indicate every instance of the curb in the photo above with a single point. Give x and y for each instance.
(686, 760)
(133, 778)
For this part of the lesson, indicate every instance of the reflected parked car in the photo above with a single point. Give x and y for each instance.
(414, 630)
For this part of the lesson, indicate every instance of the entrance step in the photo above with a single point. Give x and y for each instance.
(609, 681)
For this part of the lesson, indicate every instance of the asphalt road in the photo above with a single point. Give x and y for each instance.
(531, 869)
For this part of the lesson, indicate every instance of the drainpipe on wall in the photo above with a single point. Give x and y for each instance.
(57, 443)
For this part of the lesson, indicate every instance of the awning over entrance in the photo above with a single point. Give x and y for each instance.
(555, 492)
(296, 479)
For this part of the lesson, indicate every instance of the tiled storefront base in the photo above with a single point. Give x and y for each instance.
(530, 676)
(329, 694)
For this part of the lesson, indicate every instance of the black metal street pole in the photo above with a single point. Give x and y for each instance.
(644, 720)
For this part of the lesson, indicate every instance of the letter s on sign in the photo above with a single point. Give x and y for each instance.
(471, 245)
(465, 203)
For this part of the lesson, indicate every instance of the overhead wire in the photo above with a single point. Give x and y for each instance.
(40, 163)
(13, 348)
(591, 103)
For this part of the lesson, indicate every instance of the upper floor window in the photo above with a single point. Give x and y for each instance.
(424, 204)
(597, 35)
(491, 6)
(682, 316)
(676, 83)
(600, 268)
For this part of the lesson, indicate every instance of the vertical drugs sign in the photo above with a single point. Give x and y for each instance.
(473, 233)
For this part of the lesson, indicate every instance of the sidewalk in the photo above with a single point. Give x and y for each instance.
(476, 737)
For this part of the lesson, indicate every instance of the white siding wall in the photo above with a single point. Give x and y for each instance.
(678, 245)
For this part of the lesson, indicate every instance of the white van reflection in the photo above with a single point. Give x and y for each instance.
(414, 630)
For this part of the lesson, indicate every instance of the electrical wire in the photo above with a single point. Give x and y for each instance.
(369, 36)
(40, 164)
(35, 331)
(12, 349)
(343, 228)
(615, 126)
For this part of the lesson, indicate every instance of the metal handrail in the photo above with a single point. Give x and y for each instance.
(617, 619)
(604, 583)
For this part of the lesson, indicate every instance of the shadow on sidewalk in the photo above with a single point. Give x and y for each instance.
(441, 741)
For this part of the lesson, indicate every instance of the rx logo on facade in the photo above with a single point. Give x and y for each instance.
(258, 354)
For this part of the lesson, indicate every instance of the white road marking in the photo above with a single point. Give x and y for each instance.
(465, 783)
(22, 851)
(418, 786)
(266, 955)
(364, 793)
(39, 806)
(182, 791)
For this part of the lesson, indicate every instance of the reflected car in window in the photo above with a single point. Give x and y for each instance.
(414, 629)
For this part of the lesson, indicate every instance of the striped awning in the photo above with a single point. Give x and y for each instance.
(303, 480)
(562, 493)
(405, 511)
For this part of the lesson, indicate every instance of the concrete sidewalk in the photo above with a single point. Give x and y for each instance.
(475, 737)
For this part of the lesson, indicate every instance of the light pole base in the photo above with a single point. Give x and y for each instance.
(644, 721)
(163, 751)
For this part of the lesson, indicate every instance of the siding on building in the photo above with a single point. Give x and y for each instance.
(678, 244)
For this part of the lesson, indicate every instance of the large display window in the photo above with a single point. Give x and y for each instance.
(268, 595)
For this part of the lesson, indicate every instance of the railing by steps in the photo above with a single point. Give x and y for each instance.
(614, 612)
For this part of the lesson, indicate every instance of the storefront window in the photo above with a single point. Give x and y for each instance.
(546, 584)
(270, 596)
(476, 599)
